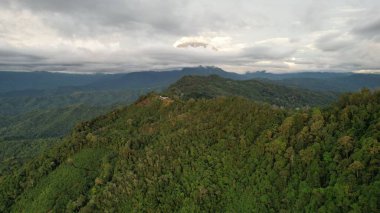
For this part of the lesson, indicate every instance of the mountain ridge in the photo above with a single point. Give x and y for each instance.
(16, 81)
(197, 154)
(213, 86)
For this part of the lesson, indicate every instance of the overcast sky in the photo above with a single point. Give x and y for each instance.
(236, 35)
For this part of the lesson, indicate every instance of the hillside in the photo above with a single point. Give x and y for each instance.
(32, 121)
(24, 136)
(51, 122)
(215, 86)
(224, 154)
(21, 102)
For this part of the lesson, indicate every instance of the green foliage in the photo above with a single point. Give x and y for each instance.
(22, 102)
(225, 154)
(64, 187)
(30, 120)
(14, 153)
(215, 86)
(53, 122)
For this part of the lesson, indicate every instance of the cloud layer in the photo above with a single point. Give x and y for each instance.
(130, 35)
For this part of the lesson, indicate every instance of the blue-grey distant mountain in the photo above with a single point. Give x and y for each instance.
(344, 83)
(152, 79)
(321, 81)
(31, 82)
(282, 76)
(14, 81)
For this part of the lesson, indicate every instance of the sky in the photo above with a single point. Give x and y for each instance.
(109, 36)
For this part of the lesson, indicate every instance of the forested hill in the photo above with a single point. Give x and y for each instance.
(224, 154)
(215, 86)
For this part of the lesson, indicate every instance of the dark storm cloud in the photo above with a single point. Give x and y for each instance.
(369, 30)
(18, 56)
(333, 42)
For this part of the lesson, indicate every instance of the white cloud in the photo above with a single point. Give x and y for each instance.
(118, 35)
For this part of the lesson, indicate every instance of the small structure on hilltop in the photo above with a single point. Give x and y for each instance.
(164, 97)
(166, 100)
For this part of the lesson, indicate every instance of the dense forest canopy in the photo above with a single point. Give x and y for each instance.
(215, 86)
(221, 154)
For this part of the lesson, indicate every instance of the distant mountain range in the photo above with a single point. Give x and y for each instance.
(325, 81)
